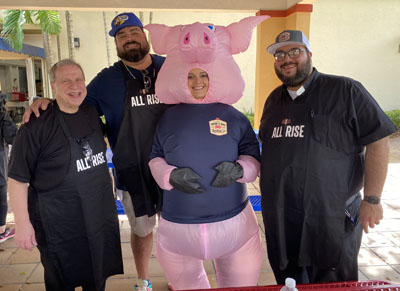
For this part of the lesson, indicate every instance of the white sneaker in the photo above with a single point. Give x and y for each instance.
(143, 285)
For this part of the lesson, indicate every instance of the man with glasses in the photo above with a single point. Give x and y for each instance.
(124, 94)
(61, 192)
(323, 138)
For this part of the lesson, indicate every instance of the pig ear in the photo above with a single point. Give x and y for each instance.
(158, 36)
(241, 32)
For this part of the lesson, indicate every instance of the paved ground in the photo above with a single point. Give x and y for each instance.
(379, 256)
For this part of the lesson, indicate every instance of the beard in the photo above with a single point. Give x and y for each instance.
(301, 74)
(133, 55)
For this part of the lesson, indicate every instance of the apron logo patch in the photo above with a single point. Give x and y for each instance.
(288, 130)
(144, 100)
(84, 164)
(218, 127)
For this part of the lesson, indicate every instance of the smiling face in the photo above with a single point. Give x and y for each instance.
(131, 43)
(69, 88)
(198, 83)
(293, 72)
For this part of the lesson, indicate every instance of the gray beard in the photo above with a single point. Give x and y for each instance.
(301, 75)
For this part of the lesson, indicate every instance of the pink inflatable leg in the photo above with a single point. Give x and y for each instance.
(242, 268)
(183, 272)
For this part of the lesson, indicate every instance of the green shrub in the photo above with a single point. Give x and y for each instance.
(250, 115)
(394, 116)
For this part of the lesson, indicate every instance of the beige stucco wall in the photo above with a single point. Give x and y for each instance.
(360, 39)
(92, 53)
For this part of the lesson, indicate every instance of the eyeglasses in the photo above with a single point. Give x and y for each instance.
(87, 150)
(146, 80)
(293, 54)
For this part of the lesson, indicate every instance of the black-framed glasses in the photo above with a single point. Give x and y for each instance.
(146, 80)
(293, 54)
(87, 150)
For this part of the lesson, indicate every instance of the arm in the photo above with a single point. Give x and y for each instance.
(9, 129)
(161, 172)
(40, 103)
(24, 232)
(251, 168)
(376, 162)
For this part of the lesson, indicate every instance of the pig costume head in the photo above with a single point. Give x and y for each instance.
(204, 46)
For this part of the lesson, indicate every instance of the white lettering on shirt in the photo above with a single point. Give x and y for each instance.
(152, 99)
(83, 164)
(144, 100)
(137, 101)
(289, 131)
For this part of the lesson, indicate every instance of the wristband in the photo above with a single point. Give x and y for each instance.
(372, 199)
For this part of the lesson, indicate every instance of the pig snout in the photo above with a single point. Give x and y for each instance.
(198, 44)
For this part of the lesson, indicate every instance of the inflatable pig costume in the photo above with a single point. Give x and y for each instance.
(203, 144)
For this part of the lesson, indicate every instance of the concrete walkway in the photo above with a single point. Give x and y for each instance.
(379, 257)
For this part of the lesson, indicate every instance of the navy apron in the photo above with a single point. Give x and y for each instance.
(142, 111)
(302, 185)
(79, 217)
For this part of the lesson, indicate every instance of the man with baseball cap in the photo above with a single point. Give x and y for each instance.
(124, 94)
(324, 138)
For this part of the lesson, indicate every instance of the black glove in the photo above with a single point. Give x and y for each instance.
(185, 180)
(228, 174)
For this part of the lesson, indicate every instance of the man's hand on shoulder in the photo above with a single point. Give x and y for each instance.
(38, 104)
(370, 215)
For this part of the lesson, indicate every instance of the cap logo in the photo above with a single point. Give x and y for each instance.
(285, 36)
(120, 20)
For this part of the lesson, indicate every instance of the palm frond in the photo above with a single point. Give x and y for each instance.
(49, 21)
(28, 16)
(12, 28)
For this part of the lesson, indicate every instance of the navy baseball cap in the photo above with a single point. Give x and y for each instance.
(123, 20)
(288, 37)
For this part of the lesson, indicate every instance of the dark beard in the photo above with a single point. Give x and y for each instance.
(134, 55)
(301, 75)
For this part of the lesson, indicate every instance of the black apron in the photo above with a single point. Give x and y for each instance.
(79, 217)
(142, 111)
(304, 185)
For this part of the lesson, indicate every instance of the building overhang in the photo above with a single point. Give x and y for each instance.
(152, 5)
(8, 53)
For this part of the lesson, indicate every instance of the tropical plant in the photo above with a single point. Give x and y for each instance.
(49, 21)
(12, 32)
(394, 116)
(250, 115)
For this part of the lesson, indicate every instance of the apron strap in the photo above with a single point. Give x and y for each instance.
(62, 121)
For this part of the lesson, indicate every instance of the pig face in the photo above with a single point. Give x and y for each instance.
(204, 46)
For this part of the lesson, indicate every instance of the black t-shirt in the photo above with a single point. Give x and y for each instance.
(41, 154)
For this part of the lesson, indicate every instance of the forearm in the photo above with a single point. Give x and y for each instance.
(18, 192)
(161, 172)
(376, 164)
(251, 168)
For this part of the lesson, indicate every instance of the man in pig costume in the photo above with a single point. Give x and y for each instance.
(204, 152)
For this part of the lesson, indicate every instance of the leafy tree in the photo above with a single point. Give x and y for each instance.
(49, 21)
